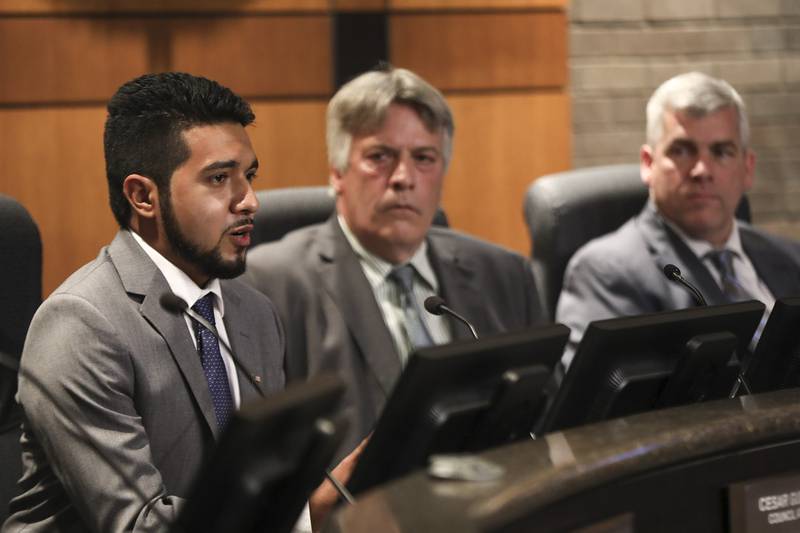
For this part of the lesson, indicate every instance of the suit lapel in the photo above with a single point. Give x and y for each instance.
(344, 280)
(666, 247)
(776, 269)
(145, 283)
(457, 286)
(238, 324)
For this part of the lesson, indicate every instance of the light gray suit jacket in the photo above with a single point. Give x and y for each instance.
(333, 322)
(620, 274)
(118, 415)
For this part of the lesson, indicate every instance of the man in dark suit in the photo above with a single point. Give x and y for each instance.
(338, 286)
(124, 399)
(697, 164)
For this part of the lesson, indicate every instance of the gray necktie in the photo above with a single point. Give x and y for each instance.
(731, 286)
(417, 333)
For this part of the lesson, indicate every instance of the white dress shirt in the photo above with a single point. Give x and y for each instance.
(186, 289)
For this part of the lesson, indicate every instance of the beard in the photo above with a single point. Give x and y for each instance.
(210, 262)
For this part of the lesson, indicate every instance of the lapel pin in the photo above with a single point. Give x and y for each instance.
(257, 379)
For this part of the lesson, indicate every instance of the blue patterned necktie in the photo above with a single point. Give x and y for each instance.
(211, 359)
(731, 286)
(417, 333)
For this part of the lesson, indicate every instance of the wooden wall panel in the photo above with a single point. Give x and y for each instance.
(53, 164)
(158, 6)
(78, 60)
(503, 142)
(289, 139)
(482, 50)
(258, 56)
(86, 59)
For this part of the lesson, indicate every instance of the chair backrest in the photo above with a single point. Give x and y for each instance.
(566, 210)
(20, 288)
(20, 296)
(283, 210)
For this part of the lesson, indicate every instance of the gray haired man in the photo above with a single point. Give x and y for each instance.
(350, 291)
(697, 163)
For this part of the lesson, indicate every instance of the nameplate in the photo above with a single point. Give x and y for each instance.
(769, 504)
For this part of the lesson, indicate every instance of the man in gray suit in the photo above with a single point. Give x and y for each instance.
(697, 163)
(350, 291)
(123, 399)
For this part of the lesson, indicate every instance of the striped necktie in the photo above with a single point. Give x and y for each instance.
(731, 286)
(418, 335)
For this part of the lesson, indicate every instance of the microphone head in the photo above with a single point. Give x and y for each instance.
(172, 303)
(433, 305)
(672, 272)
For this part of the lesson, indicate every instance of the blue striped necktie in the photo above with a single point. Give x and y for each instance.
(211, 359)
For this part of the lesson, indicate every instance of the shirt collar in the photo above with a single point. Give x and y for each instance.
(382, 267)
(179, 282)
(701, 248)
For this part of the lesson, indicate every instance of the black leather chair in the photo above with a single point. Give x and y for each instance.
(565, 210)
(20, 296)
(283, 210)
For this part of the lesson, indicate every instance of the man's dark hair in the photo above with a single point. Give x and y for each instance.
(146, 119)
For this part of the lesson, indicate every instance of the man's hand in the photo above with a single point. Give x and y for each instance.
(324, 498)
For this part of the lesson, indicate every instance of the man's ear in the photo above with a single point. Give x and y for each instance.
(645, 163)
(142, 193)
(335, 181)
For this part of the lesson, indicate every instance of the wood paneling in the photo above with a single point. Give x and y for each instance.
(502, 143)
(86, 59)
(477, 4)
(158, 6)
(44, 60)
(289, 139)
(482, 50)
(258, 56)
(53, 164)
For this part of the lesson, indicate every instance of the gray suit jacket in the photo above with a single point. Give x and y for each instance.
(118, 416)
(333, 322)
(620, 274)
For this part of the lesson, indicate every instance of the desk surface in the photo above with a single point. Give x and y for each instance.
(540, 472)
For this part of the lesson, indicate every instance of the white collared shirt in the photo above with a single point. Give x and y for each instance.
(745, 271)
(387, 294)
(186, 289)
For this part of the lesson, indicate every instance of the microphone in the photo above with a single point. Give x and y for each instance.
(436, 306)
(673, 273)
(176, 305)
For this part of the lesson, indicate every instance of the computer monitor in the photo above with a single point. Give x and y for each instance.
(464, 396)
(270, 458)
(633, 364)
(775, 363)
